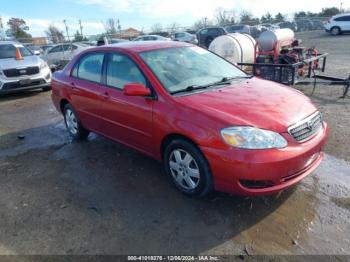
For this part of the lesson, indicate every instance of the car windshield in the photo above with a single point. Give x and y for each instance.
(180, 67)
(9, 51)
(234, 28)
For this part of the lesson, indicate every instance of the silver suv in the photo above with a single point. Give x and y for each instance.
(21, 70)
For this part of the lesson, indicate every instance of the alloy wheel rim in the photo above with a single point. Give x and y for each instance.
(71, 121)
(184, 169)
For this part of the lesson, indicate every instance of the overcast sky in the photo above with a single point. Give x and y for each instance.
(142, 13)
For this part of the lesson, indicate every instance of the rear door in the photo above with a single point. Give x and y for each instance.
(86, 79)
(127, 119)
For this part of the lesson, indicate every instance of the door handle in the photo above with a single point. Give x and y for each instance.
(105, 95)
(72, 85)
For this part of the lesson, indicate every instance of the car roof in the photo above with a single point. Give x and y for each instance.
(10, 43)
(136, 47)
(339, 15)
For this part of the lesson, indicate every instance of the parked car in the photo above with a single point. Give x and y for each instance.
(304, 25)
(206, 35)
(267, 26)
(36, 50)
(210, 124)
(151, 38)
(317, 25)
(243, 29)
(45, 48)
(290, 25)
(117, 41)
(59, 55)
(21, 70)
(185, 37)
(338, 24)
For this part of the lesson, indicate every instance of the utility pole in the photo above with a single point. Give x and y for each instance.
(2, 32)
(65, 24)
(81, 28)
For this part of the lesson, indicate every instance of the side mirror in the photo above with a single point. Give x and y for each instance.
(36, 52)
(136, 89)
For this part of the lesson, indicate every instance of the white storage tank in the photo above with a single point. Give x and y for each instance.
(268, 39)
(235, 47)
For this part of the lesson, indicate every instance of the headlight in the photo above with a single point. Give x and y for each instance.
(252, 138)
(43, 65)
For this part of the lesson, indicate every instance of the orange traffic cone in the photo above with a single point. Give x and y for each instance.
(18, 54)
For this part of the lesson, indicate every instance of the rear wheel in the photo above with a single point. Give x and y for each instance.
(74, 127)
(335, 31)
(187, 168)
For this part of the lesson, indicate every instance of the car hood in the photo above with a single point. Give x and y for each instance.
(254, 102)
(13, 63)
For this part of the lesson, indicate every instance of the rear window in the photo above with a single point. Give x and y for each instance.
(9, 51)
(343, 18)
(90, 67)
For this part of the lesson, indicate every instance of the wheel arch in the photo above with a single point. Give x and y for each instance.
(173, 136)
(63, 103)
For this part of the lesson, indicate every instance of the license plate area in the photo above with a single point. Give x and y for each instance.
(24, 82)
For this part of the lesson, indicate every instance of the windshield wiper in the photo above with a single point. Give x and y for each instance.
(223, 81)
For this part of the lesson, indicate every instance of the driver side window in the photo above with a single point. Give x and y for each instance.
(121, 70)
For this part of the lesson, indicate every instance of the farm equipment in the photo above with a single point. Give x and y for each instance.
(278, 56)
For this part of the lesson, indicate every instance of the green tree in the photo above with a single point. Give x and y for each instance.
(18, 29)
(279, 18)
(300, 14)
(329, 11)
(267, 18)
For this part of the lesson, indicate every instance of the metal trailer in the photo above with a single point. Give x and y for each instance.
(288, 73)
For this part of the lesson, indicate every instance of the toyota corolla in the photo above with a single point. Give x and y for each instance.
(211, 125)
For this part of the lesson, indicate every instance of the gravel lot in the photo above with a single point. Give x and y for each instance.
(100, 197)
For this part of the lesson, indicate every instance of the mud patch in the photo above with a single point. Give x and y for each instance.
(343, 202)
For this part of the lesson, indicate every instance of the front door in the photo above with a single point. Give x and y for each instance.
(127, 119)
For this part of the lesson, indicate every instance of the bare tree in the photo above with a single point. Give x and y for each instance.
(157, 28)
(54, 34)
(173, 27)
(224, 17)
(111, 26)
(201, 23)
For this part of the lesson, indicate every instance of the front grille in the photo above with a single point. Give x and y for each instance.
(17, 84)
(306, 128)
(13, 72)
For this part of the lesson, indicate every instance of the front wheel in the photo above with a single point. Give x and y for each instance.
(187, 168)
(335, 31)
(74, 127)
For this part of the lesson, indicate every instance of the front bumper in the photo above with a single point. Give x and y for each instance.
(272, 170)
(18, 84)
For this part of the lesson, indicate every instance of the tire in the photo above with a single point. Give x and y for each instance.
(187, 168)
(73, 124)
(335, 30)
(208, 41)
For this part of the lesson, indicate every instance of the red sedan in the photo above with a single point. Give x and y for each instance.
(210, 124)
